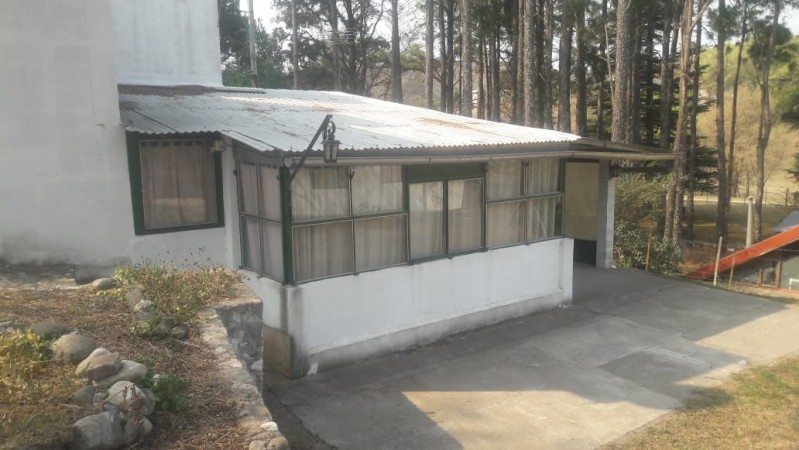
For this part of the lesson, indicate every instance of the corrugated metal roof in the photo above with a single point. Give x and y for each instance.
(287, 120)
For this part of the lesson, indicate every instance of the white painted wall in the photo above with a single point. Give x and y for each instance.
(167, 42)
(345, 318)
(64, 194)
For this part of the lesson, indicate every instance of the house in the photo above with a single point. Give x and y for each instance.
(423, 224)
(770, 263)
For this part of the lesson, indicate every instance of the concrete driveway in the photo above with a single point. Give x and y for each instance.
(628, 351)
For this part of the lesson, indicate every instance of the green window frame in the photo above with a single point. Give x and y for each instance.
(539, 207)
(135, 144)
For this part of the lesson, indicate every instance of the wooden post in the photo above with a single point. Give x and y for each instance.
(648, 250)
(732, 273)
(718, 257)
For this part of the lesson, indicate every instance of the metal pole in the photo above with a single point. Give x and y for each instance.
(749, 221)
(718, 257)
(253, 60)
(648, 250)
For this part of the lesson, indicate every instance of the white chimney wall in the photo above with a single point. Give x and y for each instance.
(167, 42)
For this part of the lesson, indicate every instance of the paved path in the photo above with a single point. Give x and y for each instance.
(629, 350)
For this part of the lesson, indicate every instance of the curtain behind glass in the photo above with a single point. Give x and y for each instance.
(178, 184)
(543, 218)
(323, 250)
(427, 218)
(376, 189)
(251, 244)
(380, 242)
(503, 180)
(270, 193)
(318, 193)
(505, 223)
(543, 176)
(465, 204)
(248, 180)
(272, 239)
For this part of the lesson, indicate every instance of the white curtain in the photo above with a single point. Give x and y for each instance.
(376, 189)
(270, 193)
(178, 184)
(542, 176)
(542, 218)
(319, 193)
(251, 244)
(504, 180)
(323, 250)
(427, 218)
(380, 242)
(465, 204)
(248, 180)
(505, 223)
(272, 241)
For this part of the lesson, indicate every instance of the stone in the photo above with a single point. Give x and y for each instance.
(270, 426)
(81, 369)
(143, 310)
(102, 284)
(149, 402)
(97, 432)
(73, 348)
(257, 445)
(163, 328)
(49, 330)
(7, 326)
(130, 371)
(126, 396)
(84, 396)
(134, 294)
(98, 398)
(135, 429)
(179, 332)
(278, 443)
(103, 366)
(257, 366)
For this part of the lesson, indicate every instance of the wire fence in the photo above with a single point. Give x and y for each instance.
(778, 196)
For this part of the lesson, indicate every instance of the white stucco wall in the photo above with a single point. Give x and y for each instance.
(342, 319)
(167, 42)
(64, 194)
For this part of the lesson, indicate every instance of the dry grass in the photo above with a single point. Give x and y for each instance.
(209, 421)
(755, 409)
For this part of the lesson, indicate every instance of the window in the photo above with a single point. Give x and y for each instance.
(525, 201)
(446, 216)
(347, 220)
(260, 219)
(175, 185)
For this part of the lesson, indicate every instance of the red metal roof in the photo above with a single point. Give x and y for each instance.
(742, 256)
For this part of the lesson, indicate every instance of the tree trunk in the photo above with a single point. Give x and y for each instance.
(497, 86)
(466, 57)
(294, 49)
(564, 68)
(540, 51)
(694, 142)
(764, 127)
(634, 89)
(529, 63)
(396, 62)
(681, 131)
(650, 116)
(521, 59)
(731, 179)
(721, 45)
(621, 115)
(513, 64)
(481, 67)
(581, 105)
(442, 51)
(428, 55)
(450, 55)
(549, 21)
(601, 78)
(336, 43)
(666, 75)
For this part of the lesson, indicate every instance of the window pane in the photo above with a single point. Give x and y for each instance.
(318, 193)
(270, 191)
(505, 223)
(504, 180)
(248, 180)
(465, 203)
(376, 189)
(273, 249)
(178, 184)
(544, 218)
(543, 176)
(380, 242)
(427, 218)
(323, 250)
(250, 244)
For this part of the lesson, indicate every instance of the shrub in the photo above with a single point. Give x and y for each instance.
(22, 356)
(178, 295)
(630, 246)
(170, 392)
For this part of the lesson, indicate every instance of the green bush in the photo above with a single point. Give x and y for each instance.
(178, 295)
(170, 392)
(630, 247)
(22, 357)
